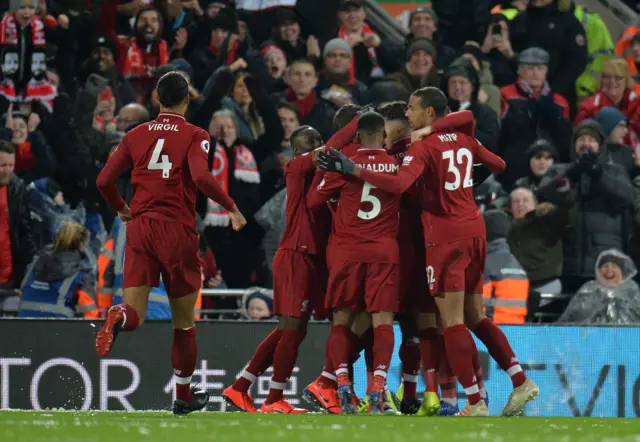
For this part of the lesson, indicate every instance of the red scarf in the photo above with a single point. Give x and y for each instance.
(142, 64)
(9, 31)
(24, 157)
(305, 106)
(40, 90)
(376, 71)
(231, 53)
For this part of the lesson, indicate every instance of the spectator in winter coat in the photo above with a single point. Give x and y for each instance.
(556, 30)
(286, 36)
(15, 223)
(531, 110)
(257, 305)
(461, 21)
(314, 110)
(489, 93)
(500, 54)
(423, 24)
(372, 57)
(131, 115)
(463, 87)
(542, 156)
(420, 68)
(276, 62)
(604, 197)
(615, 127)
(335, 83)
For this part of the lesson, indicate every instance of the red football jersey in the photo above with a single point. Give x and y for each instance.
(305, 231)
(168, 157)
(365, 226)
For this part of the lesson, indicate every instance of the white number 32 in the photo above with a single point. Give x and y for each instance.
(462, 155)
(164, 165)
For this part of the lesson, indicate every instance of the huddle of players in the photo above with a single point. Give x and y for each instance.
(390, 184)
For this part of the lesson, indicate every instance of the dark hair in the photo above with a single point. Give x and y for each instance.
(395, 111)
(304, 61)
(173, 89)
(288, 106)
(344, 115)
(370, 123)
(432, 97)
(303, 135)
(7, 147)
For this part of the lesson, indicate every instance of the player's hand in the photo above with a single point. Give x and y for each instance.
(419, 134)
(125, 214)
(335, 162)
(237, 219)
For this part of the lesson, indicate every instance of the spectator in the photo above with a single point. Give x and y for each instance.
(531, 110)
(423, 24)
(387, 91)
(102, 61)
(542, 156)
(489, 93)
(419, 70)
(34, 158)
(537, 231)
(497, 48)
(372, 57)
(462, 21)
(15, 225)
(489, 194)
(68, 271)
(257, 304)
(550, 25)
(290, 120)
(628, 46)
(615, 127)
(130, 116)
(506, 286)
(271, 218)
(604, 196)
(195, 99)
(611, 298)
(463, 89)
(276, 62)
(314, 111)
(335, 83)
(286, 36)
(176, 16)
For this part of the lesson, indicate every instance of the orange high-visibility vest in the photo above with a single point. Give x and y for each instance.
(623, 48)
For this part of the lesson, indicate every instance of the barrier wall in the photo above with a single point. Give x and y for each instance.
(581, 371)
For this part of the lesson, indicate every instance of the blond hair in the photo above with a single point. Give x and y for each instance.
(71, 236)
(617, 66)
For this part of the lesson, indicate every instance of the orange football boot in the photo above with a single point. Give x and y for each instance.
(281, 407)
(238, 401)
(322, 398)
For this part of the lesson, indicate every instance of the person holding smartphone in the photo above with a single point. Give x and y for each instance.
(500, 54)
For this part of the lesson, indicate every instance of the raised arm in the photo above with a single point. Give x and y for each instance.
(201, 175)
(344, 136)
(117, 164)
(489, 159)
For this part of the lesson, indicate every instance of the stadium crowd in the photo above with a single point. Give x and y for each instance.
(550, 91)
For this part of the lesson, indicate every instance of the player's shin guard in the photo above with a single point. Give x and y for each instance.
(430, 352)
(261, 360)
(500, 350)
(184, 353)
(341, 341)
(460, 347)
(382, 353)
(284, 360)
(410, 357)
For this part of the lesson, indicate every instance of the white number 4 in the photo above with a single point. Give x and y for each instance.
(375, 202)
(462, 155)
(164, 165)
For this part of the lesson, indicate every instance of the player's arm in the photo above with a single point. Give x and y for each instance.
(461, 121)
(343, 137)
(489, 159)
(117, 164)
(199, 167)
(327, 189)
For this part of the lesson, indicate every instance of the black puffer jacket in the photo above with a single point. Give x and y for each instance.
(23, 246)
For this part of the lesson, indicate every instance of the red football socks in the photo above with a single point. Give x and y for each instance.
(430, 352)
(500, 350)
(410, 358)
(367, 344)
(284, 361)
(339, 341)
(460, 346)
(327, 378)
(131, 319)
(382, 353)
(261, 360)
(477, 368)
(184, 353)
(446, 378)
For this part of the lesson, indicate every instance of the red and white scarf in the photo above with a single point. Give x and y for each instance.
(142, 64)
(40, 90)
(9, 31)
(376, 70)
(246, 169)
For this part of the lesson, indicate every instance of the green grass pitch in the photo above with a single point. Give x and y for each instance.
(51, 426)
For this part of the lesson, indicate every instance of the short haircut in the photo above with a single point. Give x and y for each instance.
(173, 89)
(432, 97)
(522, 189)
(298, 132)
(370, 123)
(303, 135)
(288, 106)
(304, 61)
(344, 115)
(395, 111)
(7, 147)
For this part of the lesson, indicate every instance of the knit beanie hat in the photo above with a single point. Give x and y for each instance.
(498, 224)
(542, 145)
(421, 44)
(609, 117)
(14, 5)
(225, 19)
(471, 47)
(589, 127)
(183, 65)
(423, 10)
(336, 43)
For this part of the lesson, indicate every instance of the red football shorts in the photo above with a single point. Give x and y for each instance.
(456, 266)
(414, 290)
(299, 282)
(363, 286)
(168, 248)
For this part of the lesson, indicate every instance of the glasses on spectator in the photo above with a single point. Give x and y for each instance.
(612, 76)
(341, 54)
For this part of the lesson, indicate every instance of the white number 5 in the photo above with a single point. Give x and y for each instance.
(375, 202)
(164, 165)
(462, 155)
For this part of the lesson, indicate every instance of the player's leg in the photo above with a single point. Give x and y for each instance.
(448, 382)
(430, 349)
(409, 354)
